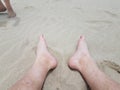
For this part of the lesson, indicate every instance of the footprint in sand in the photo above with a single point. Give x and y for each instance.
(112, 65)
(28, 7)
(14, 21)
(7, 23)
(111, 14)
(3, 20)
(98, 21)
(3, 23)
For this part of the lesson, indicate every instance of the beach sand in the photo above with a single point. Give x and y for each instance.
(62, 22)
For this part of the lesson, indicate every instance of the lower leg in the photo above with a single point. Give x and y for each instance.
(34, 78)
(11, 12)
(2, 7)
(83, 62)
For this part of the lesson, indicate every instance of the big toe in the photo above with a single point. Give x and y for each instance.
(81, 41)
(42, 42)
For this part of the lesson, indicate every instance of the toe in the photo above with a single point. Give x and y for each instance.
(82, 38)
(42, 42)
(80, 41)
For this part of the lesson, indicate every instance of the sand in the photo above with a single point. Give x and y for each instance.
(62, 22)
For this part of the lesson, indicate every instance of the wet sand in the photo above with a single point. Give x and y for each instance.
(62, 22)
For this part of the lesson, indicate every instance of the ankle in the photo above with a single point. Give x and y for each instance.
(86, 62)
(42, 64)
(47, 63)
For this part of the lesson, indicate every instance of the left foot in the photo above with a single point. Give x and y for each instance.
(43, 56)
(35, 77)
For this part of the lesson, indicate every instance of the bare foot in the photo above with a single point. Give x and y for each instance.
(11, 14)
(10, 10)
(43, 56)
(2, 7)
(35, 77)
(83, 62)
(80, 54)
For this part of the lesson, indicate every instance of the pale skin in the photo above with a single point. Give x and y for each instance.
(34, 78)
(7, 7)
(80, 61)
(84, 63)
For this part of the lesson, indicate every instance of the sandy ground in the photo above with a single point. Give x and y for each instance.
(62, 22)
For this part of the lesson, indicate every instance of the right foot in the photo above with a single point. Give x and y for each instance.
(9, 8)
(2, 7)
(11, 14)
(78, 59)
